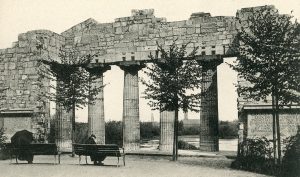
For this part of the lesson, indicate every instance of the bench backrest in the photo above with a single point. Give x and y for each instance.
(94, 149)
(35, 149)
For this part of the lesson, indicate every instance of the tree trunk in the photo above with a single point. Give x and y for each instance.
(274, 127)
(73, 129)
(175, 138)
(278, 127)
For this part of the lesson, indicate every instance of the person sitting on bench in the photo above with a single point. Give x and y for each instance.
(96, 158)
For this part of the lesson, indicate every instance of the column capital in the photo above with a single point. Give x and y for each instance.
(131, 66)
(98, 69)
(210, 63)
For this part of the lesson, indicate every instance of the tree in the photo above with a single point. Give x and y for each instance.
(73, 80)
(149, 131)
(171, 80)
(269, 61)
(113, 133)
(228, 129)
(3, 138)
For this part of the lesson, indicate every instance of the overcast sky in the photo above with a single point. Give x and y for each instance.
(19, 16)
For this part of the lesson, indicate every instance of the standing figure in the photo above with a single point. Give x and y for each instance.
(96, 158)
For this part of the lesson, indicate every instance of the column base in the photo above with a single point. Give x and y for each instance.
(64, 145)
(209, 146)
(131, 146)
(166, 148)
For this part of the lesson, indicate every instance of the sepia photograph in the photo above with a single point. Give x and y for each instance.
(149, 88)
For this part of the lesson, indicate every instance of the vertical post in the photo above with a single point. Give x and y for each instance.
(63, 129)
(96, 120)
(209, 140)
(131, 119)
(166, 130)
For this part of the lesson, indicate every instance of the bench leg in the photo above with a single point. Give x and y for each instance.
(54, 159)
(10, 155)
(79, 159)
(17, 159)
(58, 158)
(124, 159)
(118, 161)
(86, 160)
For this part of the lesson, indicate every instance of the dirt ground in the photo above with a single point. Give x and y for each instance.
(136, 166)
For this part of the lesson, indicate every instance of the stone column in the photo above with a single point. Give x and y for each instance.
(131, 118)
(166, 131)
(209, 140)
(96, 121)
(63, 129)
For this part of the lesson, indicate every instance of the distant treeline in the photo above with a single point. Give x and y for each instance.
(148, 131)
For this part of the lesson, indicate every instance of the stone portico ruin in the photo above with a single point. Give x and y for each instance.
(126, 42)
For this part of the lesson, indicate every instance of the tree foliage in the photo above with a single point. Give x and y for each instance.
(269, 56)
(172, 78)
(113, 133)
(269, 60)
(73, 88)
(228, 129)
(291, 159)
(81, 132)
(149, 131)
(72, 79)
(3, 138)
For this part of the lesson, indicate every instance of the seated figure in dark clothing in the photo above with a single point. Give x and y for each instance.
(96, 158)
(21, 138)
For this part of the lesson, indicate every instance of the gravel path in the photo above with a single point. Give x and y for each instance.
(135, 167)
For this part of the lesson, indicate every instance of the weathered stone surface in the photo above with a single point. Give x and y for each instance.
(96, 120)
(63, 129)
(19, 73)
(126, 39)
(166, 131)
(209, 140)
(131, 119)
(257, 121)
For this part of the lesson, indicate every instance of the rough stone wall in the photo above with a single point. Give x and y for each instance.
(19, 74)
(125, 39)
(132, 38)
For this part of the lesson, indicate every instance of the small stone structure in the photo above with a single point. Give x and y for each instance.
(126, 42)
(257, 120)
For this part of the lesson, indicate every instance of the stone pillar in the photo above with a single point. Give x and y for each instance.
(131, 117)
(63, 129)
(166, 131)
(96, 121)
(209, 140)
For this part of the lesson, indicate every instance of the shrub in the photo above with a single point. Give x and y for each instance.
(256, 156)
(51, 135)
(291, 159)
(228, 130)
(186, 146)
(113, 133)
(81, 132)
(149, 131)
(3, 152)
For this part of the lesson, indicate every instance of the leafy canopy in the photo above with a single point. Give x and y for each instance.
(173, 80)
(73, 79)
(269, 55)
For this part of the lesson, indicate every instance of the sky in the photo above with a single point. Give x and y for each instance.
(20, 16)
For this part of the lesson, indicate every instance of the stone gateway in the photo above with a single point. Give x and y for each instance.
(126, 42)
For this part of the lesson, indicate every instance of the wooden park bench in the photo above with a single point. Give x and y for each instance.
(99, 149)
(34, 149)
